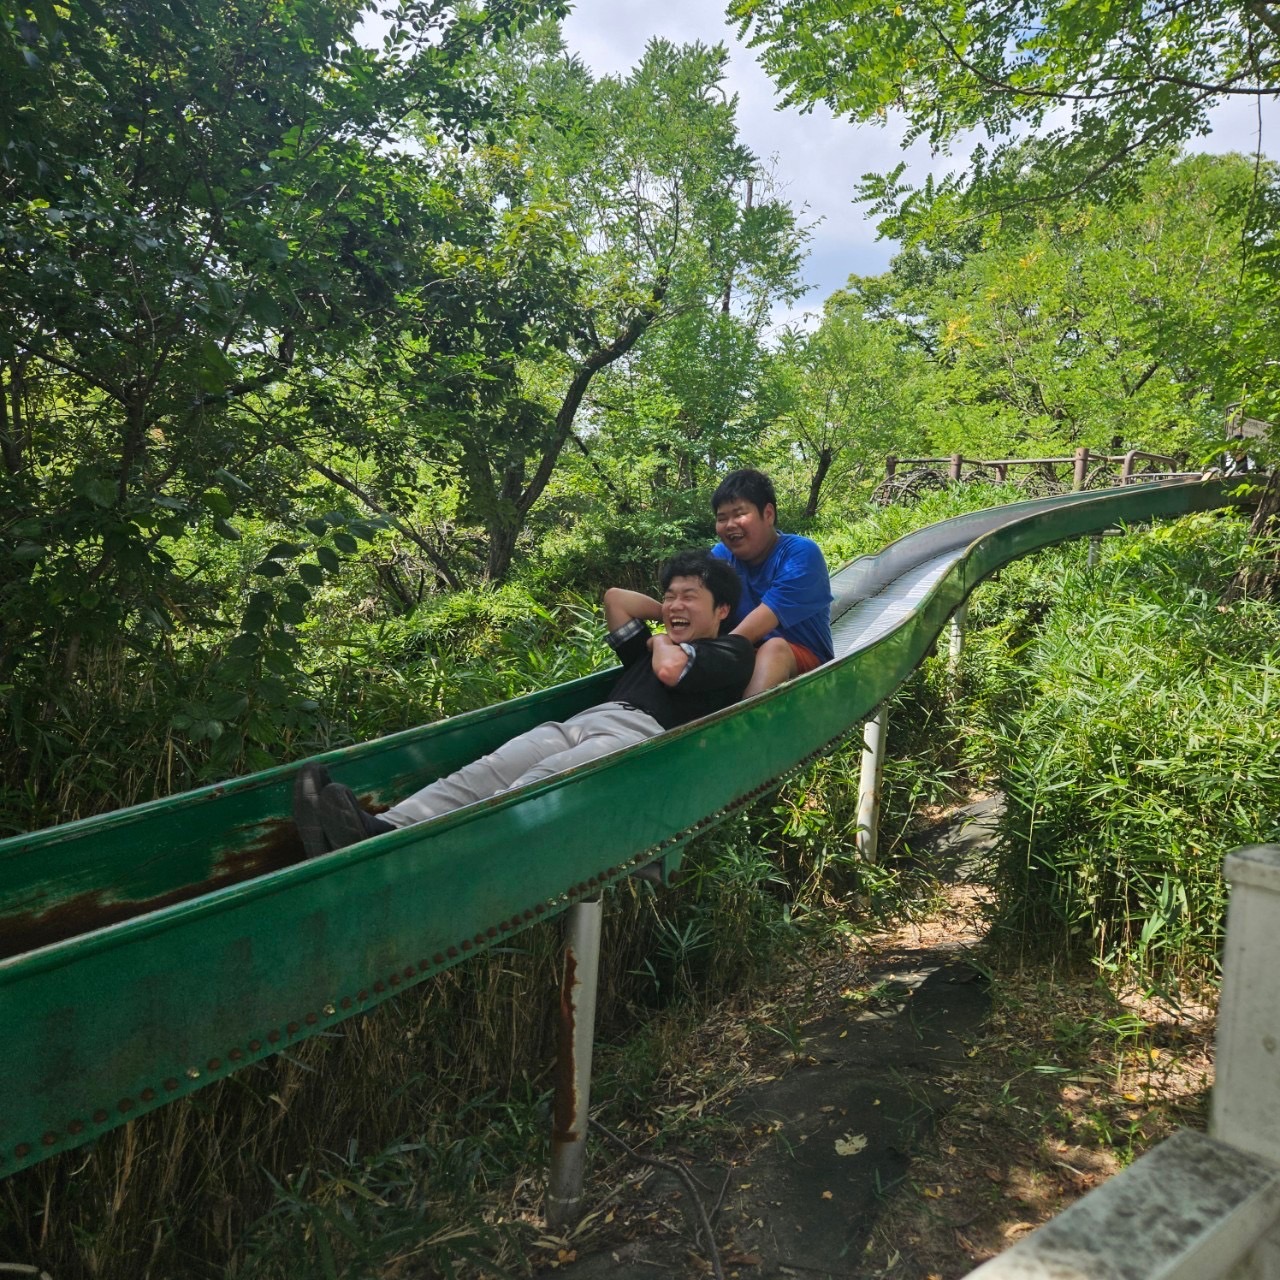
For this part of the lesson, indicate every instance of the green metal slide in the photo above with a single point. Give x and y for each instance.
(147, 952)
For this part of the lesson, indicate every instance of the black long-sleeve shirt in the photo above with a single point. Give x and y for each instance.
(715, 676)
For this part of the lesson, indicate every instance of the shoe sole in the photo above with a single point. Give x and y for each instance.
(307, 789)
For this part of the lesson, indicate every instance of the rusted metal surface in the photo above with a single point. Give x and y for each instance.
(572, 1106)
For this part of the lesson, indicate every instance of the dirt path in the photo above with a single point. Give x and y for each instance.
(818, 1149)
(911, 1126)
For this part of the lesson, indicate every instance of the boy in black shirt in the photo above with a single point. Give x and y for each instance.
(667, 680)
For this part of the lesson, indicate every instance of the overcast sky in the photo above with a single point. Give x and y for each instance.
(817, 159)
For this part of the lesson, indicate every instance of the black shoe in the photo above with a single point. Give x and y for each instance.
(342, 819)
(307, 786)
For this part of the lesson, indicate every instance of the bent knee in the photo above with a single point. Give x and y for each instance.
(777, 654)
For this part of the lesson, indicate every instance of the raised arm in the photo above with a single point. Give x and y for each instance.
(621, 605)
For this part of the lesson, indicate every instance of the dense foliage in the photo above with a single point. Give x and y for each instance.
(1137, 739)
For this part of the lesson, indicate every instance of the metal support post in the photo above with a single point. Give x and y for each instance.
(956, 648)
(573, 1063)
(1095, 548)
(957, 466)
(869, 783)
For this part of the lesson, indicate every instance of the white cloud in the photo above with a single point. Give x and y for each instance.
(817, 159)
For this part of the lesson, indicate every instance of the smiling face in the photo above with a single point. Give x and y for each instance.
(746, 530)
(689, 611)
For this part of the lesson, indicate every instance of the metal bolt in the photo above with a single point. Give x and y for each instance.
(75, 1127)
(22, 1150)
(254, 1046)
(170, 1085)
(148, 1094)
(49, 1138)
(124, 1105)
(311, 1019)
(100, 1116)
(292, 1028)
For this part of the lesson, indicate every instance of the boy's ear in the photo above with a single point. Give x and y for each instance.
(770, 513)
(722, 611)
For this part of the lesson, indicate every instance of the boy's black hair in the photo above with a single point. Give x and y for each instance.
(750, 486)
(717, 575)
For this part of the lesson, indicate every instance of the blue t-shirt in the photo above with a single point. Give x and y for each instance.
(794, 583)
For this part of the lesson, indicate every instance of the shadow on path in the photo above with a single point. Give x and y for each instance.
(823, 1145)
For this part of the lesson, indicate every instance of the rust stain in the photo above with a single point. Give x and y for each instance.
(566, 1087)
(277, 848)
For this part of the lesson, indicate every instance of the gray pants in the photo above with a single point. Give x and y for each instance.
(542, 751)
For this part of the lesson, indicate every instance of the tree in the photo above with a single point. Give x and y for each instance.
(1108, 324)
(1102, 88)
(199, 201)
(852, 388)
(648, 180)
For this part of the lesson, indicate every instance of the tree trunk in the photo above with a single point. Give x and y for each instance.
(815, 484)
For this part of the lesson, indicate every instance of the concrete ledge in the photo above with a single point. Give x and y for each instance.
(1190, 1209)
(1255, 865)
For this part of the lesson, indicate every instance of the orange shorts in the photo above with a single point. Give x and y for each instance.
(806, 659)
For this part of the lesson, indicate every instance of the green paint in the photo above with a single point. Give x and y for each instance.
(114, 1022)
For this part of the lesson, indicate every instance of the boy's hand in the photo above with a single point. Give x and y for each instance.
(669, 659)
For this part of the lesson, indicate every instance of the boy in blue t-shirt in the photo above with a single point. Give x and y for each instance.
(785, 610)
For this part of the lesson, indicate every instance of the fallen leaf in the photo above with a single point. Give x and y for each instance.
(826, 1195)
(851, 1144)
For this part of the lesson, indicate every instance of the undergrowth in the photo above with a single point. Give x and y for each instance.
(1135, 730)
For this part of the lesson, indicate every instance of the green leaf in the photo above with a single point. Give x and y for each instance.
(285, 551)
(270, 569)
(312, 574)
(329, 559)
(345, 542)
(228, 705)
(291, 611)
(226, 530)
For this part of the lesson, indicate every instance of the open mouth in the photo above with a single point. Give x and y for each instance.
(677, 625)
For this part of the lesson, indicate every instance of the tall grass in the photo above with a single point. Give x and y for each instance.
(1139, 746)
